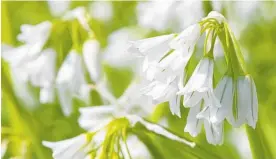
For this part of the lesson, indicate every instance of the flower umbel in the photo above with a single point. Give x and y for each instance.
(233, 99)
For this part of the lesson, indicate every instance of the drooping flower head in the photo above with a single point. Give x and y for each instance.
(165, 60)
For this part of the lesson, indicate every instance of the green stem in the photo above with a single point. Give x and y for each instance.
(258, 143)
(19, 122)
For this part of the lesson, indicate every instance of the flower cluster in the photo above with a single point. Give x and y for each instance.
(108, 127)
(35, 61)
(164, 65)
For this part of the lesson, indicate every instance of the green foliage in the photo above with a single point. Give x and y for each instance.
(47, 122)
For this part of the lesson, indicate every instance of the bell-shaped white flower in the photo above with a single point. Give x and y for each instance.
(213, 130)
(39, 70)
(224, 93)
(91, 57)
(202, 114)
(245, 104)
(71, 82)
(164, 64)
(74, 148)
(34, 37)
(200, 85)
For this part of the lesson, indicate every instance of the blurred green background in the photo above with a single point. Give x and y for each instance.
(46, 122)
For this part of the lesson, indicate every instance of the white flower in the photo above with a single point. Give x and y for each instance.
(42, 69)
(35, 34)
(19, 78)
(32, 63)
(38, 69)
(200, 85)
(91, 57)
(74, 148)
(34, 37)
(245, 104)
(165, 59)
(131, 102)
(41, 72)
(202, 114)
(239, 102)
(71, 82)
(80, 14)
(162, 92)
(152, 50)
(224, 93)
(101, 10)
(214, 130)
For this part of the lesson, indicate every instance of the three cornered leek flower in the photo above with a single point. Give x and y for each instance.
(102, 126)
(32, 62)
(239, 101)
(165, 59)
(35, 61)
(107, 129)
(71, 81)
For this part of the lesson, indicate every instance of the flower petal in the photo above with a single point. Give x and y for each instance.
(194, 124)
(91, 57)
